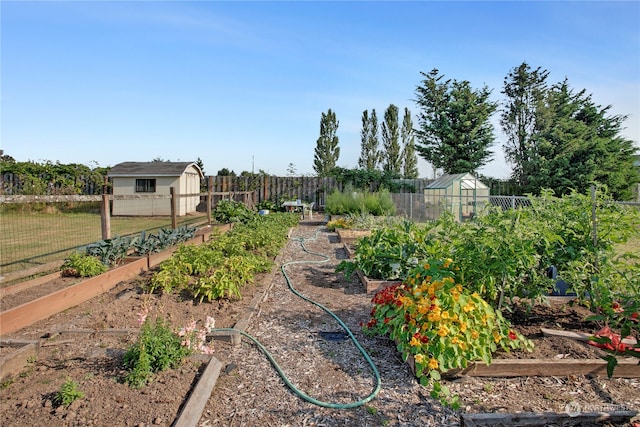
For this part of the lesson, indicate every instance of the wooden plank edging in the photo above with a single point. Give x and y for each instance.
(545, 418)
(14, 362)
(191, 412)
(26, 314)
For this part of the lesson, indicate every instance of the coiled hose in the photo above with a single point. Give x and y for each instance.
(277, 367)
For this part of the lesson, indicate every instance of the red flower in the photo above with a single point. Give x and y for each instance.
(512, 335)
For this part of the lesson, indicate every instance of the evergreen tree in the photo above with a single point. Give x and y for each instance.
(454, 132)
(525, 90)
(409, 156)
(327, 151)
(391, 156)
(578, 144)
(370, 154)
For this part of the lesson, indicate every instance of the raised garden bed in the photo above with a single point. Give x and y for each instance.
(351, 236)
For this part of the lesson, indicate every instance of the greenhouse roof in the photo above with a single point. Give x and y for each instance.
(467, 182)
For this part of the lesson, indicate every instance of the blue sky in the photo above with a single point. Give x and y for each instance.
(242, 85)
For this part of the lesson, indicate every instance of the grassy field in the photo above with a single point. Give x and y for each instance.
(32, 239)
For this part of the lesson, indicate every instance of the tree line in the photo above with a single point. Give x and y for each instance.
(556, 137)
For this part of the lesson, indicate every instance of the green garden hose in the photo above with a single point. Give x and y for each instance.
(364, 353)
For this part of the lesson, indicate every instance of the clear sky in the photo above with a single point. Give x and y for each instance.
(242, 85)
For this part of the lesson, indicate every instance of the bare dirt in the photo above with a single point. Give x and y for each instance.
(81, 343)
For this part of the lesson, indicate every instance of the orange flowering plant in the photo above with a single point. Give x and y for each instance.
(440, 324)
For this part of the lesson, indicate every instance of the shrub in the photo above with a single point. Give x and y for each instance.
(353, 202)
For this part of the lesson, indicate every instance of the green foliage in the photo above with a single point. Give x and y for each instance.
(370, 154)
(455, 131)
(327, 151)
(32, 178)
(409, 157)
(79, 264)
(230, 211)
(367, 179)
(352, 202)
(164, 238)
(110, 251)
(433, 318)
(390, 252)
(220, 267)
(268, 205)
(157, 348)
(68, 393)
(391, 153)
(560, 139)
(505, 254)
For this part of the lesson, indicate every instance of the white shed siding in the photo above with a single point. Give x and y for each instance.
(186, 183)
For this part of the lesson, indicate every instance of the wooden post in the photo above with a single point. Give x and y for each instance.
(209, 199)
(105, 217)
(174, 219)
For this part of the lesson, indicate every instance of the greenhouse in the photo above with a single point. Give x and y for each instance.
(461, 194)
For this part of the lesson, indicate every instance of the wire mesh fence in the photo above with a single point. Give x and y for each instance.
(37, 231)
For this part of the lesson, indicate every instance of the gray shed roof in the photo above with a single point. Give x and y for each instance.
(151, 169)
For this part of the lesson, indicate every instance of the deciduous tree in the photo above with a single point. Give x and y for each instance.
(409, 156)
(370, 154)
(525, 90)
(327, 151)
(391, 153)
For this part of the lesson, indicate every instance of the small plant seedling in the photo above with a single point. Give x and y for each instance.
(68, 393)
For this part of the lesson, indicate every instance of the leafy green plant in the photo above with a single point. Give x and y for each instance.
(69, 392)
(110, 251)
(79, 264)
(157, 348)
(230, 211)
(220, 267)
(435, 320)
(390, 252)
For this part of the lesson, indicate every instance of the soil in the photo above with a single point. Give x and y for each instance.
(86, 344)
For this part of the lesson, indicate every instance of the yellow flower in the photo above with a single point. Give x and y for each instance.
(433, 316)
(433, 363)
(475, 335)
(463, 345)
(414, 342)
(443, 331)
(419, 358)
(496, 337)
(468, 307)
(426, 266)
(463, 326)
(445, 314)
(455, 294)
(455, 340)
(459, 287)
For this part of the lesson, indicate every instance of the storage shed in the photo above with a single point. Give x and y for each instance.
(461, 194)
(155, 179)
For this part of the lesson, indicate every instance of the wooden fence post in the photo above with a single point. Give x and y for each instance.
(174, 219)
(105, 217)
(209, 199)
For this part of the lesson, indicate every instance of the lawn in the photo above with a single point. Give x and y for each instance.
(34, 238)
